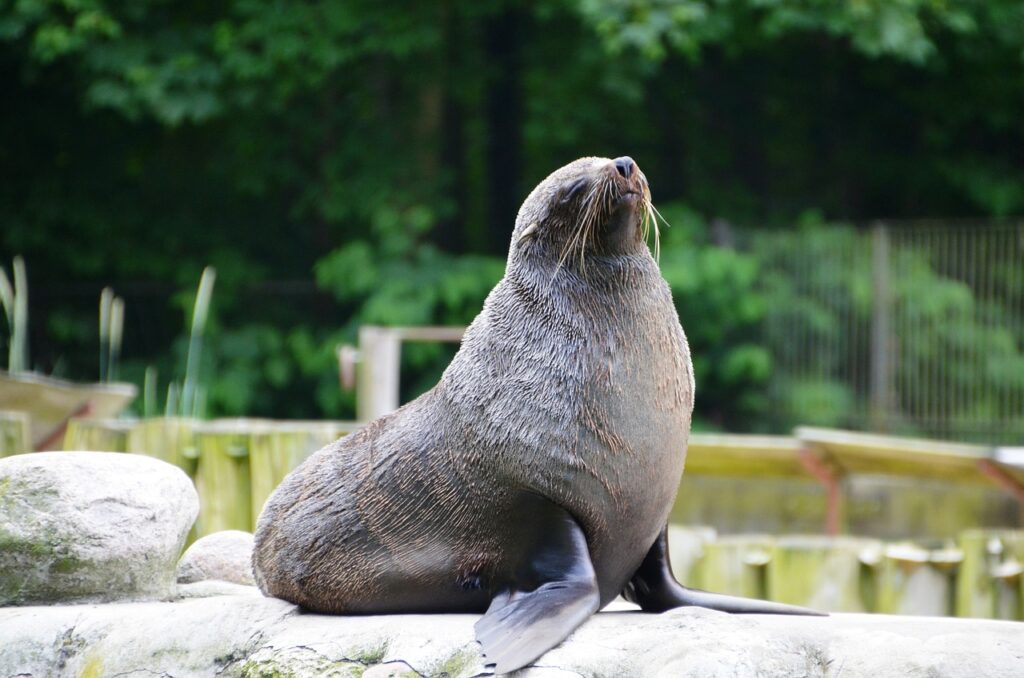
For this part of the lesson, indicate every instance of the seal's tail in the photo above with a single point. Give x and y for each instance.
(738, 605)
(654, 588)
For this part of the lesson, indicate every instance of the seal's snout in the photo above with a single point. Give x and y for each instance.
(627, 178)
(625, 166)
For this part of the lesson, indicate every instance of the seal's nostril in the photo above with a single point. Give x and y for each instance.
(625, 166)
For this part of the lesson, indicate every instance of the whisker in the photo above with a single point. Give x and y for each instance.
(654, 216)
(595, 208)
(599, 201)
(587, 215)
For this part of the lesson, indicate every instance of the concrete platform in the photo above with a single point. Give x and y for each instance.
(237, 632)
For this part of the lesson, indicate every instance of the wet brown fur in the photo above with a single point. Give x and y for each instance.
(574, 382)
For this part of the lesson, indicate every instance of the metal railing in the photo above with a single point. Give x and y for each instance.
(904, 328)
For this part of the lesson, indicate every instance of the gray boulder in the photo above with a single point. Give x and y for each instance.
(91, 527)
(249, 636)
(212, 588)
(224, 556)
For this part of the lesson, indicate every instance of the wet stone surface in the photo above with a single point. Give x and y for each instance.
(231, 630)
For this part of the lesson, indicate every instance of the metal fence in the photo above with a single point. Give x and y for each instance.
(911, 328)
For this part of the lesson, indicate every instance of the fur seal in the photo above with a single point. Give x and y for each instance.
(534, 481)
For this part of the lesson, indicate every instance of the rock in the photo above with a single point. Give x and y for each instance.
(390, 670)
(214, 587)
(226, 556)
(245, 636)
(91, 526)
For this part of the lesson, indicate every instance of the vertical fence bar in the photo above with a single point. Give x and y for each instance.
(880, 328)
(932, 388)
(1015, 287)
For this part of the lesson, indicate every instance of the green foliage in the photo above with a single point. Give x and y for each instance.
(905, 29)
(403, 281)
(818, 401)
(381, 152)
(426, 287)
(722, 309)
(955, 362)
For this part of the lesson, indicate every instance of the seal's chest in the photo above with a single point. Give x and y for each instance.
(640, 383)
(635, 412)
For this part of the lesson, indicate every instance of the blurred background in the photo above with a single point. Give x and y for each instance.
(844, 183)
(344, 163)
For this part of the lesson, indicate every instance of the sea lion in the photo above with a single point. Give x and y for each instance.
(534, 481)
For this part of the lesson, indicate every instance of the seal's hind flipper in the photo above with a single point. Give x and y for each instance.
(552, 590)
(655, 589)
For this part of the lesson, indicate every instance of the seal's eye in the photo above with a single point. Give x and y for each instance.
(573, 189)
(528, 231)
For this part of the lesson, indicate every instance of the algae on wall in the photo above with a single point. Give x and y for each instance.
(734, 565)
(823, 573)
(223, 476)
(15, 434)
(231, 460)
(278, 450)
(885, 507)
(169, 439)
(911, 579)
(97, 435)
(989, 583)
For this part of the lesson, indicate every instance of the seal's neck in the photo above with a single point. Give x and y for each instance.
(596, 274)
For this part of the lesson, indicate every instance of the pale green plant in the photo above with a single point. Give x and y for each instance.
(116, 335)
(149, 392)
(171, 404)
(15, 304)
(111, 333)
(190, 403)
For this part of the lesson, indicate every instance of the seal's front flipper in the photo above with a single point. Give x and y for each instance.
(655, 589)
(520, 627)
(551, 591)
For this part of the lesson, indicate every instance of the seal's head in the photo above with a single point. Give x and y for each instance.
(591, 207)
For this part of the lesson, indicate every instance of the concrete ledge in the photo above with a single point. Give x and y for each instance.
(236, 632)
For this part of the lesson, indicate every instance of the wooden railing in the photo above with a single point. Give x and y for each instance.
(236, 464)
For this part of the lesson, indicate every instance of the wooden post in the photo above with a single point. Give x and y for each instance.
(831, 481)
(380, 356)
(1007, 482)
(916, 581)
(987, 576)
(380, 351)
